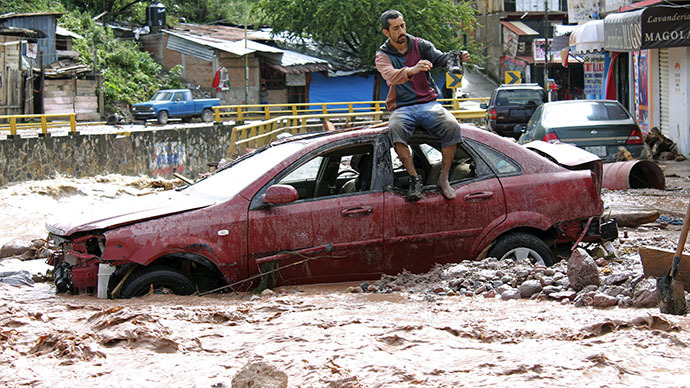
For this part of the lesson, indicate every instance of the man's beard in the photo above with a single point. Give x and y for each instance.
(402, 39)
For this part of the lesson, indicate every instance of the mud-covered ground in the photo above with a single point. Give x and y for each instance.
(406, 331)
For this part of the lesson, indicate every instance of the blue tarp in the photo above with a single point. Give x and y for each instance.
(334, 89)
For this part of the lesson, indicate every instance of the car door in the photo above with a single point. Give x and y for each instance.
(328, 234)
(436, 230)
(178, 104)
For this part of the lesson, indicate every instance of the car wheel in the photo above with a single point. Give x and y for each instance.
(206, 116)
(163, 117)
(522, 245)
(162, 279)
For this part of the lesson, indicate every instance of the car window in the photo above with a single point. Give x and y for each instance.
(178, 96)
(519, 97)
(161, 96)
(502, 164)
(427, 160)
(228, 182)
(340, 171)
(585, 111)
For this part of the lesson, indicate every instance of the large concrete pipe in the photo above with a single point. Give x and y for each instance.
(633, 174)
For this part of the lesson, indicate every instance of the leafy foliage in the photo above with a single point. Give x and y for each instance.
(356, 23)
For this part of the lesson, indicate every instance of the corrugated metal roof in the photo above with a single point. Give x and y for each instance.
(65, 32)
(237, 47)
(519, 28)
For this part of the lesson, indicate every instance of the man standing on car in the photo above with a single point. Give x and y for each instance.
(404, 61)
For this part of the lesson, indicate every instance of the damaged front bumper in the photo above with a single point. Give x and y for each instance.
(78, 265)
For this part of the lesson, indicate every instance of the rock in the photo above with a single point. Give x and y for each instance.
(602, 300)
(259, 374)
(601, 262)
(364, 286)
(522, 274)
(546, 281)
(550, 289)
(529, 288)
(625, 301)
(563, 295)
(354, 290)
(15, 247)
(582, 270)
(455, 283)
(507, 279)
(502, 288)
(549, 272)
(496, 284)
(617, 279)
(589, 289)
(267, 292)
(490, 294)
(645, 297)
(469, 293)
(614, 291)
(374, 288)
(511, 293)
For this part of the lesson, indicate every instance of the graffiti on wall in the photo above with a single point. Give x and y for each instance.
(167, 158)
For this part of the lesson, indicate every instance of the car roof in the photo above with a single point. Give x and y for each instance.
(520, 86)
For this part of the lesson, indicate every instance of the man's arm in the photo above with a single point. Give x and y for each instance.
(399, 76)
(388, 72)
(437, 57)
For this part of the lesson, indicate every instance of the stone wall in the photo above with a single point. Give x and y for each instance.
(153, 153)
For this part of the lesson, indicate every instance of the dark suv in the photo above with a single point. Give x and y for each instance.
(512, 105)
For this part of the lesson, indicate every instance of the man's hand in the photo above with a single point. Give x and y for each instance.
(464, 56)
(422, 65)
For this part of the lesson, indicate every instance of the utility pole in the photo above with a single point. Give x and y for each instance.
(246, 62)
(546, 48)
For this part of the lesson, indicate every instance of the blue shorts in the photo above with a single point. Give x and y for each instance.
(431, 116)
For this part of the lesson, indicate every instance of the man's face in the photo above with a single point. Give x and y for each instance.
(396, 31)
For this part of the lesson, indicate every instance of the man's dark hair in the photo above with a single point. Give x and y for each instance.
(387, 16)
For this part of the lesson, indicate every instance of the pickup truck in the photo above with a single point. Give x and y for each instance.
(170, 103)
(512, 105)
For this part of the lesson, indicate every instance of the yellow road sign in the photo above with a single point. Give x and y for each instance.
(513, 77)
(453, 80)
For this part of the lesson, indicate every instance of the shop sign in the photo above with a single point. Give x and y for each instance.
(539, 48)
(665, 27)
(594, 74)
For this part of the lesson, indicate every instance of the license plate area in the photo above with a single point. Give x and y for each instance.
(599, 151)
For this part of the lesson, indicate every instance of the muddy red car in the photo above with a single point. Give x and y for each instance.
(330, 207)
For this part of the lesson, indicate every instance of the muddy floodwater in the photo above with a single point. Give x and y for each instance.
(320, 335)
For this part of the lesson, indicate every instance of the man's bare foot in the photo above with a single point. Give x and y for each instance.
(448, 192)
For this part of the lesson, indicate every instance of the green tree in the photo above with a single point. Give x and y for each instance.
(356, 22)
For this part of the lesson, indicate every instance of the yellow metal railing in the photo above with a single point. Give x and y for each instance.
(258, 134)
(242, 113)
(43, 124)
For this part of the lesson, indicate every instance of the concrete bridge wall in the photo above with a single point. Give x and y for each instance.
(153, 153)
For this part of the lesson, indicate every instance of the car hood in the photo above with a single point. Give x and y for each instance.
(564, 154)
(150, 103)
(125, 211)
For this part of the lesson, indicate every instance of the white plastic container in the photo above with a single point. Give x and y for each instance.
(104, 272)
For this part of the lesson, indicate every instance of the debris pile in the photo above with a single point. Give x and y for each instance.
(582, 280)
(661, 147)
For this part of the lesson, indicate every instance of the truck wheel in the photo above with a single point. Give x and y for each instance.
(163, 117)
(161, 279)
(206, 116)
(520, 246)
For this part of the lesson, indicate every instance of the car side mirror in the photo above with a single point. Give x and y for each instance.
(519, 128)
(279, 194)
(483, 105)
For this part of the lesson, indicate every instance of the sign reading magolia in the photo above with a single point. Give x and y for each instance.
(648, 28)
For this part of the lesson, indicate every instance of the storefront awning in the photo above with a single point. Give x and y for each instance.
(588, 37)
(519, 28)
(648, 28)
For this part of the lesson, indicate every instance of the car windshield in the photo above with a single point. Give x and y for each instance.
(519, 97)
(161, 96)
(229, 182)
(584, 111)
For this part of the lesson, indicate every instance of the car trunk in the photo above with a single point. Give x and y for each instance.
(514, 113)
(601, 140)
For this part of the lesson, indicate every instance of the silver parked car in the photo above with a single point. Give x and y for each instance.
(601, 127)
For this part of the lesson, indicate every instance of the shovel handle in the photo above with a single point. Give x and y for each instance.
(683, 232)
